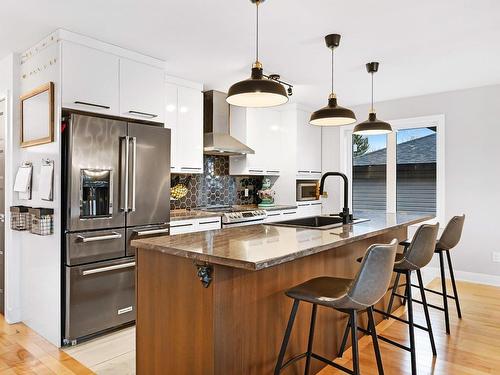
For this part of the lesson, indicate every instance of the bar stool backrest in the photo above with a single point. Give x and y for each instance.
(451, 234)
(421, 248)
(374, 276)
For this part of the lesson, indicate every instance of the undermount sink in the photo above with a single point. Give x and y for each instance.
(316, 222)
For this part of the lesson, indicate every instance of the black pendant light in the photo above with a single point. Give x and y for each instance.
(257, 91)
(332, 114)
(372, 126)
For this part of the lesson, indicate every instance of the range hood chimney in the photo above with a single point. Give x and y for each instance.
(216, 138)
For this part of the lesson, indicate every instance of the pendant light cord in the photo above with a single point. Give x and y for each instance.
(257, 33)
(372, 110)
(333, 63)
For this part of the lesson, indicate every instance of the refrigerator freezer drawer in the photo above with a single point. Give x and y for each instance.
(99, 296)
(143, 232)
(87, 247)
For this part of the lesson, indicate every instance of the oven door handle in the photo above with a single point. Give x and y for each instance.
(112, 236)
(151, 231)
(93, 271)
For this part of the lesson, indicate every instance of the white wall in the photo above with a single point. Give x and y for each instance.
(9, 85)
(472, 146)
(331, 163)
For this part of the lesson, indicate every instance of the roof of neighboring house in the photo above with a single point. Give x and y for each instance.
(417, 151)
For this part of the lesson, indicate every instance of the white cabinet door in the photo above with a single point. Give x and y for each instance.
(89, 79)
(141, 91)
(190, 130)
(261, 128)
(308, 147)
(194, 225)
(308, 209)
(171, 122)
(184, 116)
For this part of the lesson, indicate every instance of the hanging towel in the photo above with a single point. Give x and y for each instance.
(46, 181)
(23, 181)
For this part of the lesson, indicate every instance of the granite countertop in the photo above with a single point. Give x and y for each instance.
(176, 215)
(181, 214)
(256, 247)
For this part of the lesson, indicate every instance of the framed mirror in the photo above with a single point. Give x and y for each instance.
(37, 116)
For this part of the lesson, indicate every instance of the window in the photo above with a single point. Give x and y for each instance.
(369, 172)
(399, 172)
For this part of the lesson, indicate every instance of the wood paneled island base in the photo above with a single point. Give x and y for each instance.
(236, 324)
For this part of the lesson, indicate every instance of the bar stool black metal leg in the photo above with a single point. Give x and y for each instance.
(455, 293)
(394, 290)
(288, 331)
(410, 325)
(426, 311)
(311, 338)
(376, 348)
(403, 300)
(354, 338)
(344, 339)
(445, 295)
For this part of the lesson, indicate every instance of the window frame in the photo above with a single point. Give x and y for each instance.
(401, 124)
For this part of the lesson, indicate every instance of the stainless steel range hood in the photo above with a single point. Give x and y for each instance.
(216, 138)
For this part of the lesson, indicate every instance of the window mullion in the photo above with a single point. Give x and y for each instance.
(391, 172)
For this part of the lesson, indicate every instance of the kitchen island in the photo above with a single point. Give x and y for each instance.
(213, 302)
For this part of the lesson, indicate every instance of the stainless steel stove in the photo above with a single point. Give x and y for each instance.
(237, 217)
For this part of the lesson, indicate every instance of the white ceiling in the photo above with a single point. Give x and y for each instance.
(423, 46)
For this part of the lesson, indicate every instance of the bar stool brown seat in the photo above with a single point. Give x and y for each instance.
(346, 295)
(448, 240)
(417, 255)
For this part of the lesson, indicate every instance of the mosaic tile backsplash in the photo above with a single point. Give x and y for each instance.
(216, 187)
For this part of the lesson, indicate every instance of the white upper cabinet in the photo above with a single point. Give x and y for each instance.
(141, 91)
(259, 129)
(308, 147)
(184, 116)
(89, 79)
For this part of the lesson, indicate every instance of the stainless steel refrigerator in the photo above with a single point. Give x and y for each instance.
(116, 186)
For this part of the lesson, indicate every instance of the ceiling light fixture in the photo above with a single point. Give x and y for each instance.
(332, 114)
(372, 126)
(257, 91)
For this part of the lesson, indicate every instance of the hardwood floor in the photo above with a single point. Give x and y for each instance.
(22, 351)
(472, 348)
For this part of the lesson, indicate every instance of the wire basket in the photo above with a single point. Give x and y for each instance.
(42, 221)
(20, 218)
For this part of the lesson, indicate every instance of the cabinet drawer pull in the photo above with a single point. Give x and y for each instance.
(256, 170)
(289, 213)
(181, 225)
(93, 105)
(191, 168)
(303, 204)
(151, 231)
(210, 222)
(104, 237)
(304, 171)
(268, 215)
(273, 171)
(316, 204)
(316, 172)
(145, 114)
(107, 269)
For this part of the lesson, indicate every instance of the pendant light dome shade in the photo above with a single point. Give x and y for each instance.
(257, 91)
(372, 126)
(332, 114)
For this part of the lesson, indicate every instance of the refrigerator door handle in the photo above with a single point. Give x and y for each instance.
(134, 168)
(124, 181)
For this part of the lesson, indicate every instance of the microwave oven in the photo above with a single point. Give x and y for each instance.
(307, 191)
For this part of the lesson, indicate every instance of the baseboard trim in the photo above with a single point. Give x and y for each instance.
(429, 273)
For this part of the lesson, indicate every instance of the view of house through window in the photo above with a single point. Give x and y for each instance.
(369, 172)
(415, 171)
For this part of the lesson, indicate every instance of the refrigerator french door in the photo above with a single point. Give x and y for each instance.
(117, 187)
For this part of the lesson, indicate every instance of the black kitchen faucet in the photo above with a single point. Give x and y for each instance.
(345, 215)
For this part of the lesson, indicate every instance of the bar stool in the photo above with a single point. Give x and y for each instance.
(448, 240)
(348, 296)
(417, 255)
